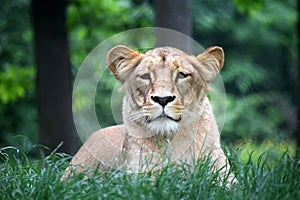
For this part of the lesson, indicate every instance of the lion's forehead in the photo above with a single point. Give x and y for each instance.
(165, 58)
(165, 50)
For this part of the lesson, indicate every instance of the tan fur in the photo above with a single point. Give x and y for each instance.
(183, 129)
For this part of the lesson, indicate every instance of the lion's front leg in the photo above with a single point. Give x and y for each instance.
(222, 166)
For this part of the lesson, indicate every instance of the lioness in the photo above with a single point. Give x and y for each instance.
(166, 113)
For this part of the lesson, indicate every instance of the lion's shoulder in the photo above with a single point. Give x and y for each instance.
(106, 143)
(111, 133)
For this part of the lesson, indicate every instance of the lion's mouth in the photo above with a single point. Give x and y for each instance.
(164, 116)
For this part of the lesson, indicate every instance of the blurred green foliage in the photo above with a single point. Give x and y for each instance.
(15, 82)
(17, 100)
(260, 63)
(91, 22)
(259, 39)
(268, 151)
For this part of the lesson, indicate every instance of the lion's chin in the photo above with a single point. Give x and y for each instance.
(163, 126)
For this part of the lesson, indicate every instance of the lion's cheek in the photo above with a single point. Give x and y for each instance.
(189, 97)
(138, 93)
(187, 94)
(139, 99)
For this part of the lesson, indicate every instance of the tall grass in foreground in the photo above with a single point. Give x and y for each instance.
(23, 178)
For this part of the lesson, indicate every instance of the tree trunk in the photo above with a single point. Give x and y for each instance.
(54, 78)
(175, 15)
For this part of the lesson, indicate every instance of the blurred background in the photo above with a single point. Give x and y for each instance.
(43, 43)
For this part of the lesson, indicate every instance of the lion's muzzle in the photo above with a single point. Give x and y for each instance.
(163, 101)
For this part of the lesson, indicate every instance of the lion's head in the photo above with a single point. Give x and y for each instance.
(164, 87)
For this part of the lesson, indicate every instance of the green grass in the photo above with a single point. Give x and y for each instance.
(24, 178)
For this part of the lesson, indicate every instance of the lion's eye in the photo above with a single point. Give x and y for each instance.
(145, 76)
(182, 75)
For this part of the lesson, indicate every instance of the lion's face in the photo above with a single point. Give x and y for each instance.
(164, 87)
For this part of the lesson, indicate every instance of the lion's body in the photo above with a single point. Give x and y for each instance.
(166, 112)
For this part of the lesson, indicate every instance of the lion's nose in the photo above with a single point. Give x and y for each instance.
(163, 101)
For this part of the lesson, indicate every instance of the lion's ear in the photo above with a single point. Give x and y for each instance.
(211, 60)
(122, 60)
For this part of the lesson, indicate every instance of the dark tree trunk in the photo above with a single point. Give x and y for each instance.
(175, 15)
(54, 78)
(298, 89)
